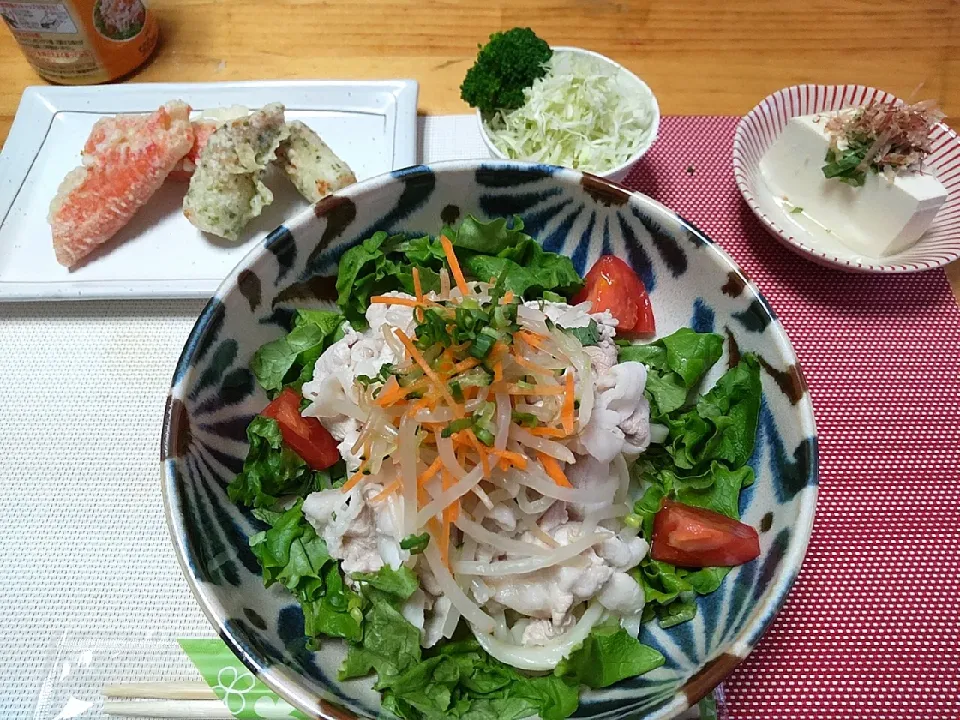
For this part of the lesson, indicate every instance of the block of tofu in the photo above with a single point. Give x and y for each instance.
(880, 218)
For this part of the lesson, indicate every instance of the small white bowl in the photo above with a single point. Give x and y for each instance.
(620, 171)
(757, 131)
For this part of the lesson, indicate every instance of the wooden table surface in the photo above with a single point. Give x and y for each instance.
(709, 58)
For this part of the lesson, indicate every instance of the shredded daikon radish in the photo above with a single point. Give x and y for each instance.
(550, 447)
(444, 284)
(523, 566)
(583, 114)
(504, 420)
(448, 586)
(544, 657)
(407, 451)
(499, 542)
(445, 497)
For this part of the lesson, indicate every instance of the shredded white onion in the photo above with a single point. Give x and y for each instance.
(448, 586)
(479, 533)
(543, 657)
(441, 414)
(549, 447)
(531, 524)
(573, 350)
(343, 406)
(393, 342)
(448, 456)
(445, 497)
(504, 420)
(407, 452)
(523, 566)
(532, 319)
(534, 478)
(623, 490)
(533, 507)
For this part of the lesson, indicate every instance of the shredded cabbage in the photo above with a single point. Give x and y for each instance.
(582, 114)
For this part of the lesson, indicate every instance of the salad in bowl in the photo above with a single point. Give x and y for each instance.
(485, 439)
(474, 476)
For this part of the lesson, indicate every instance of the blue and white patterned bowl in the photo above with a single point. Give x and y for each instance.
(691, 282)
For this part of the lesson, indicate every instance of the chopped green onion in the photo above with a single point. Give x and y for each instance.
(456, 391)
(482, 345)
(523, 419)
(632, 520)
(416, 544)
(457, 426)
(484, 436)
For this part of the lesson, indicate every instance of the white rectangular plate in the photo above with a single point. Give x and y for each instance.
(370, 125)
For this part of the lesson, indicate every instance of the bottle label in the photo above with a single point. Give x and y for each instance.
(82, 41)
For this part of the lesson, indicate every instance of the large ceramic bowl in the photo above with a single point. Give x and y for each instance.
(691, 282)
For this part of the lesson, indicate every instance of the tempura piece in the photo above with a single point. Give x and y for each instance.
(227, 190)
(203, 127)
(311, 165)
(125, 161)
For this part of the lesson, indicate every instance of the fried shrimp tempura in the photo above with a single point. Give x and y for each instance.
(311, 165)
(227, 190)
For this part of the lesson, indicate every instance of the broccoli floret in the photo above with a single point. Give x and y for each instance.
(510, 62)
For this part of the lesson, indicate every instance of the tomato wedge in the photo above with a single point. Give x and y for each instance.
(305, 435)
(612, 285)
(694, 537)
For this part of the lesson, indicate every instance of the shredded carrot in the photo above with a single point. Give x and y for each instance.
(390, 393)
(454, 265)
(355, 478)
(553, 469)
(427, 474)
(508, 297)
(498, 371)
(389, 300)
(465, 365)
(548, 432)
(531, 338)
(418, 289)
(508, 457)
(481, 451)
(425, 366)
(566, 412)
(387, 491)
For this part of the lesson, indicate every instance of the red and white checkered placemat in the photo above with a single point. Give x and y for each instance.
(871, 629)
